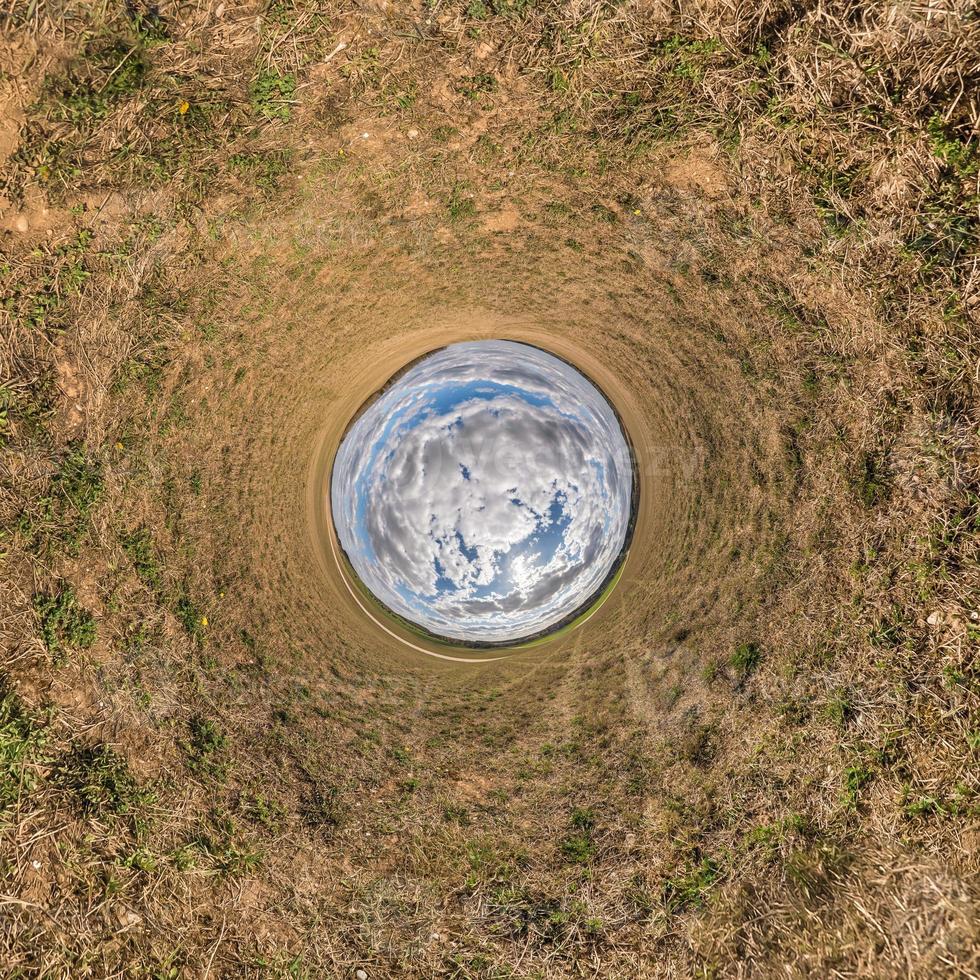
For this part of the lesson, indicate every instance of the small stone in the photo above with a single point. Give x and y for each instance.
(361, 975)
(22, 224)
(36, 865)
(935, 618)
(127, 918)
(412, 134)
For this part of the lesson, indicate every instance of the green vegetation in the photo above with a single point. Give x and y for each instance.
(690, 889)
(79, 482)
(219, 841)
(264, 170)
(110, 72)
(472, 86)
(206, 747)
(856, 777)
(22, 751)
(961, 157)
(746, 659)
(460, 205)
(262, 810)
(102, 782)
(840, 709)
(60, 517)
(190, 616)
(65, 625)
(138, 545)
(579, 846)
(272, 95)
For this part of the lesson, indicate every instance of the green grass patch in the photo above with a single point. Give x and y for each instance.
(59, 518)
(261, 169)
(578, 847)
(101, 781)
(840, 708)
(190, 615)
(746, 659)
(22, 742)
(690, 889)
(460, 204)
(473, 86)
(856, 778)
(141, 551)
(262, 810)
(65, 625)
(272, 95)
(108, 73)
(206, 747)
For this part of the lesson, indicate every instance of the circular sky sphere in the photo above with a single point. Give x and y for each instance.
(486, 494)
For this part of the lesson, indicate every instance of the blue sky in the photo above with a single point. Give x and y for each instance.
(486, 494)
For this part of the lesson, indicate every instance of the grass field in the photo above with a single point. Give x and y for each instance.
(224, 224)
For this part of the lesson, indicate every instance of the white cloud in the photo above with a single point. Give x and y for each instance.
(444, 492)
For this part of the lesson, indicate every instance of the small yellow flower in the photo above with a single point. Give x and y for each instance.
(183, 107)
(120, 446)
(204, 620)
(221, 595)
(637, 211)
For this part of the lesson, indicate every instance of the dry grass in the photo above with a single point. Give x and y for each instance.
(761, 219)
